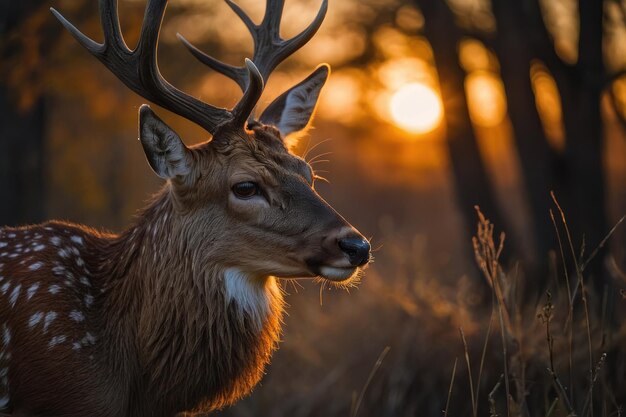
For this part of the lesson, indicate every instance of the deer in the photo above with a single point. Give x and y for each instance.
(181, 311)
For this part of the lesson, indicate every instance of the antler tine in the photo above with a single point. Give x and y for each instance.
(269, 48)
(138, 68)
(109, 19)
(237, 74)
(273, 14)
(252, 93)
(89, 44)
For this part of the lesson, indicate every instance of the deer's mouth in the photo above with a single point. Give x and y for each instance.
(337, 274)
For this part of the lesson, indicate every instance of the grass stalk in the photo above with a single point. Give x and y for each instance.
(445, 412)
(569, 321)
(492, 401)
(583, 294)
(469, 371)
(377, 365)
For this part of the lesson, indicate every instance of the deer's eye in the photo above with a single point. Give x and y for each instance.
(245, 190)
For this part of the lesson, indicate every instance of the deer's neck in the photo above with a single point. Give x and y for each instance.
(197, 328)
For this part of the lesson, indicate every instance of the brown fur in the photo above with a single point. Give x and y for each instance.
(157, 333)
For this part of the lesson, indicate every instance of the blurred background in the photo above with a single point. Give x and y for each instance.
(433, 107)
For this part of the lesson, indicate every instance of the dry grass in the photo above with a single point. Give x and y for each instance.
(453, 351)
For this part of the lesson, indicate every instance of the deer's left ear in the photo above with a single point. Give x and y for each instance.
(292, 110)
(166, 153)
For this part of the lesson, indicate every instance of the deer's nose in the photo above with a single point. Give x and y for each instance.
(357, 249)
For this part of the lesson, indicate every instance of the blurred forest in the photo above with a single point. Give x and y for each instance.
(534, 100)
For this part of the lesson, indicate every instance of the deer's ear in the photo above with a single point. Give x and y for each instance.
(166, 153)
(292, 110)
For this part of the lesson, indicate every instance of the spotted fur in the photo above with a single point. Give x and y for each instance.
(181, 311)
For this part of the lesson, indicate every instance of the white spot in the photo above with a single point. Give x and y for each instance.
(3, 244)
(88, 339)
(80, 262)
(14, 255)
(39, 247)
(4, 253)
(74, 250)
(5, 287)
(76, 345)
(14, 294)
(63, 253)
(77, 316)
(58, 270)
(56, 340)
(35, 266)
(48, 228)
(18, 246)
(6, 335)
(88, 300)
(55, 240)
(4, 372)
(34, 319)
(31, 291)
(4, 401)
(85, 281)
(250, 295)
(54, 289)
(50, 316)
(77, 239)
(11, 235)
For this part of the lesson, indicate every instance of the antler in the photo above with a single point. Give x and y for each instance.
(138, 68)
(269, 48)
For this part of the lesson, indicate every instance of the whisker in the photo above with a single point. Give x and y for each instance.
(308, 143)
(293, 284)
(319, 156)
(319, 177)
(319, 161)
(315, 146)
(376, 249)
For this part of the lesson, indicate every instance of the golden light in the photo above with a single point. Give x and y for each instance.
(548, 103)
(486, 98)
(416, 108)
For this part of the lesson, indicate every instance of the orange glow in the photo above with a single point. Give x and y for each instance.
(548, 103)
(475, 57)
(486, 98)
(416, 108)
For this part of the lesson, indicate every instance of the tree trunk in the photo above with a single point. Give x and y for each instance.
(21, 163)
(580, 86)
(535, 156)
(22, 166)
(581, 97)
(468, 171)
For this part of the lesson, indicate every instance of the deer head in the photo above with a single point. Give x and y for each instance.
(242, 196)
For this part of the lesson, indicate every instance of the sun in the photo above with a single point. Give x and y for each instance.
(416, 108)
